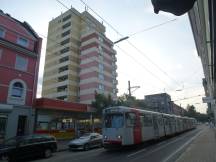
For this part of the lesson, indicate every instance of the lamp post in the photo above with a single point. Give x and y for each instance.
(124, 38)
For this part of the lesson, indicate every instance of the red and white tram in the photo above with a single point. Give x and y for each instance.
(127, 126)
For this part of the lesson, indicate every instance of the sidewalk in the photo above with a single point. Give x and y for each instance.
(202, 149)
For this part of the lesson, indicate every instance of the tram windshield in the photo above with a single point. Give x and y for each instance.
(114, 121)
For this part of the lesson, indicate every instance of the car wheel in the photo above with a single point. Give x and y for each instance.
(86, 147)
(47, 153)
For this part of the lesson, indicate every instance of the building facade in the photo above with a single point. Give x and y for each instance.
(202, 20)
(80, 59)
(178, 110)
(159, 102)
(20, 50)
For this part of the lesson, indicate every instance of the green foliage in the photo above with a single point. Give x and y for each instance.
(191, 112)
(130, 101)
(101, 102)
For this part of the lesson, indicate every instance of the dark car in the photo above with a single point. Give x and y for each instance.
(23, 147)
(86, 141)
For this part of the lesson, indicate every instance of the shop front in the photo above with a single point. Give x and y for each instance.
(15, 121)
(64, 120)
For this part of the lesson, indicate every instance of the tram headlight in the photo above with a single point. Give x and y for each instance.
(119, 137)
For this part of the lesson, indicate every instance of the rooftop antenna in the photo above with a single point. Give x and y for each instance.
(86, 8)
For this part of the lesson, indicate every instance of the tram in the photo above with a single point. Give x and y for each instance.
(128, 126)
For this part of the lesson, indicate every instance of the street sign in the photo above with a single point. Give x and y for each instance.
(208, 100)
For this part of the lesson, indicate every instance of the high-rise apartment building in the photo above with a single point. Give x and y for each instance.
(80, 59)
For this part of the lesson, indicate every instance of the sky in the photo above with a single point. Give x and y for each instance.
(163, 59)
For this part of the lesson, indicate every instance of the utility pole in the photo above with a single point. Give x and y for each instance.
(129, 88)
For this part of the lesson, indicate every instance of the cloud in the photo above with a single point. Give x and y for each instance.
(179, 66)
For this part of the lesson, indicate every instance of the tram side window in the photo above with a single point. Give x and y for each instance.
(130, 119)
(147, 120)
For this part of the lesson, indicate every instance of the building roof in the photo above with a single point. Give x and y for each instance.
(53, 104)
(22, 27)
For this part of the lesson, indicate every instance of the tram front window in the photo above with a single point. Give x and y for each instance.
(114, 121)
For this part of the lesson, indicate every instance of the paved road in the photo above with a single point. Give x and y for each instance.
(164, 151)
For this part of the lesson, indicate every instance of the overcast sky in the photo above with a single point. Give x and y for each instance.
(164, 60)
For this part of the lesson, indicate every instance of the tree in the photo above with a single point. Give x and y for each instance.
(191, 112)
(101, 102)
(130, 101)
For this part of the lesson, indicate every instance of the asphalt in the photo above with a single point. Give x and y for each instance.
(163, 151)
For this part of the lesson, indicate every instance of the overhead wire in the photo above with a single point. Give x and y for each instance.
(144, 67)
(152, 27)
(96, 29)
(165, 73)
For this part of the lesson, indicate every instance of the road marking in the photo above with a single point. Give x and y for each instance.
(161, 143)
(136, 153)
(180, 148)
(161, 147)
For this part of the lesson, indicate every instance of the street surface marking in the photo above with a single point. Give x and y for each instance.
(180, 148)
(136, 152)
(161, 147)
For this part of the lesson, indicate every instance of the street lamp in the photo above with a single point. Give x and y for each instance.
(124, 38)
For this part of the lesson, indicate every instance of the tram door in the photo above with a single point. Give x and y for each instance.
(155, 126)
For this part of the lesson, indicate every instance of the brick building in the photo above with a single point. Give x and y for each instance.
(20, 48)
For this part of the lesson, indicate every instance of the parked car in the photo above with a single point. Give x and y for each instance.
(86, 141)
(23, 147)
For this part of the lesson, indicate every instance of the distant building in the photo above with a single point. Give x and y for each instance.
(80, 59)
(20, 49)
(178, 110)
(159, 102)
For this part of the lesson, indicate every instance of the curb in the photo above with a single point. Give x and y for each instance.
(177, 154)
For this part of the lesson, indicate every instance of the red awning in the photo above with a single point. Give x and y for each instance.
(46, 103)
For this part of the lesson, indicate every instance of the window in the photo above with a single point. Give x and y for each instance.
(100, 39)
(62, 88)
(66, 25)
(65, 33)
(114, 91)
(64, 50)
(2, 33)
(65, 41)
(63, 59)
(62, 78)
(21, 63)
(63, 68)
(130, 119)
(62, 98)
(101, 87)
(114, 121)
(101, 67)
(101, 76)
(22, 41)
(100, 49)
(146, 120)
(66, 18)
(17, 90)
